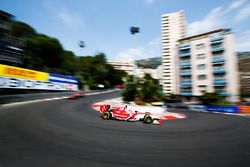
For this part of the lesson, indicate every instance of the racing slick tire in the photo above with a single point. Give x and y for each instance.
(106, 115)
(147, 119)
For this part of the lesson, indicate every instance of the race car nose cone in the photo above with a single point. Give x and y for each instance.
(158, 122)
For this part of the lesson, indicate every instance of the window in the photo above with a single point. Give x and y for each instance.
(200, 56)
(202, 86)
(202, 77)
(201, 66)
(200, 46)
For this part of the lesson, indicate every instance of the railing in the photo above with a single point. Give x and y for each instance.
(217, 40)
(184, 46)
(185, 64)
(184, 54)
(219, 70)
(185, 72)
(217, 48)
(219, 82)
(218, 60)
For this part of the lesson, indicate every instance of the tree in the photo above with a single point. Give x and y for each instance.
(146, 89)
(95, 71)
(68, 62)
(22, 30)
(150, 89)
(213, 99)
(130, 90)
(44, 51)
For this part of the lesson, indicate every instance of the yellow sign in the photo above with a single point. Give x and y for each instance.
(16, 72)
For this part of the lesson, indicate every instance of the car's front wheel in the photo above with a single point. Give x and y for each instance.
(147, 119)
(106, 115)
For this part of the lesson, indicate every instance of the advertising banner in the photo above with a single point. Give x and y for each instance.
(197, 107)
(244, 109)
(20, 78)
(225, 109)
(16, 72)
(68, 82)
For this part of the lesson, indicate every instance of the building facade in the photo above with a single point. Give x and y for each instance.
(127, 66)
(208, 63)
(11, 49)
(244, 69)
(172, 29)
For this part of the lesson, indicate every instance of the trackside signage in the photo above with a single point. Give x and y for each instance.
(15, 72)
(225, 109)
(20, 78)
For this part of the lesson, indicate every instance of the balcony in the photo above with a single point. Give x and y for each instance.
(184, 73)
(185, 64)
(219, 70)
(219, 82)
(187, 83)
(217, 48)
(222, 92)
(184, 46)
(216, 40)
(186, 93)
(184, 54)
(218, 60)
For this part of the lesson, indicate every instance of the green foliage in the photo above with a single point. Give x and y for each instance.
(149, 63)
(171, 98)
(48, 49)
(143, 90)
(22, 30)
(96, 71)
(68, 62)
(45, 53)
(213, 99)
(129, 92)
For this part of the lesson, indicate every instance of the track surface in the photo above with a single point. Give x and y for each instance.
(65, 133)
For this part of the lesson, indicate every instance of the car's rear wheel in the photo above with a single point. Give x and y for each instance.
(147, 119)
(106, 115)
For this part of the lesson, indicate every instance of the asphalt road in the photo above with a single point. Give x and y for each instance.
(68, 133)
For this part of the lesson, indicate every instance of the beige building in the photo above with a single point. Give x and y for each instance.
(127, 66)
(140, 72)
(208, 62)
(172, 28)
(244, 69)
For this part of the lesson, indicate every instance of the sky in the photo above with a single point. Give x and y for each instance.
(104, 25)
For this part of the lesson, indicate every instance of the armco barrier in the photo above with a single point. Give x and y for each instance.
(21, 78)
(223, 109)
(244, 109)
(197, 107)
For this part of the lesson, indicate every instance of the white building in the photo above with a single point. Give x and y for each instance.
(207, 62)
(127, 66)
(140, 72)
(172, 28)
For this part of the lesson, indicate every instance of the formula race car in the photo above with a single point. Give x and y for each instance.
(75, 96)
(126, 113)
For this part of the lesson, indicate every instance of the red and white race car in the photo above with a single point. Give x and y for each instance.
(75, 96)
(126, 113)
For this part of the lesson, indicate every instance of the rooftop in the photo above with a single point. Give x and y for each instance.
(224, 30)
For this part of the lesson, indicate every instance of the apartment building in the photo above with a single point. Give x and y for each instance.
(127, 66)
(207, 62)
(11, 49)
(244, 69)
(172, 28)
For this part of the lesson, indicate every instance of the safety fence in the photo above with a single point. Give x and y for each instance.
(21, 78)
(222, 109)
